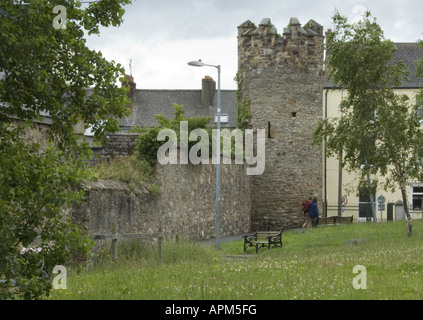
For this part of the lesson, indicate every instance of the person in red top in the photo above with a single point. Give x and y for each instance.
(305, 209)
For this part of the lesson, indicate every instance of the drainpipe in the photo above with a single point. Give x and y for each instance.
(340, 172)
(325, 186)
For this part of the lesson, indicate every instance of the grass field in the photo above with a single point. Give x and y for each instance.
(314, 265)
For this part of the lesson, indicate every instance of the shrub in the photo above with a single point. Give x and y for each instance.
(147, 144)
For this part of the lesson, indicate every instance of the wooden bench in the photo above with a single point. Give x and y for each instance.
(335, 220)
(260, 239)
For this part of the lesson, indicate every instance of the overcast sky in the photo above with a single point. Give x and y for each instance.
(161, 36)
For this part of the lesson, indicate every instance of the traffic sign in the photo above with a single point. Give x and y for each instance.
(344, 201)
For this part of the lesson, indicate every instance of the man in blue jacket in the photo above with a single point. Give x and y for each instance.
(313, 212)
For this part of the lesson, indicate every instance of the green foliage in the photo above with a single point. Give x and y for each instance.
(358, 57)
(147, 144)
(153, 188)
(35, 186)
(48, 70)
(419, 73)
(127, 169)
(379, 129)
(243, 111)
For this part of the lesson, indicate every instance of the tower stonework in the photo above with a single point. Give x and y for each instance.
(283, 77)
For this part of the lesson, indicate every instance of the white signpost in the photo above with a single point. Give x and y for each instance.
(381, 205)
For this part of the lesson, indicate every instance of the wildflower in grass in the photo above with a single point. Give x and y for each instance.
(215, 259)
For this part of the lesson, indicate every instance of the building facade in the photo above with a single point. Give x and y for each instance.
(342, 185)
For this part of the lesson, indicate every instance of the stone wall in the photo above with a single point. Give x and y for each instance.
(184, 206)
(283, 77)
(118, 145)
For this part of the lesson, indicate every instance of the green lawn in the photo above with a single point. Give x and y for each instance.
(314, 265)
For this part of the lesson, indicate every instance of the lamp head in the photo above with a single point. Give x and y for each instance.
(198, 63)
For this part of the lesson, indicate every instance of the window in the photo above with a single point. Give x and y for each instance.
(365, 205)
(417, 197)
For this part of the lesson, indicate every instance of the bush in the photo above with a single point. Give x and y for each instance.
(35, 186)
(147, 144)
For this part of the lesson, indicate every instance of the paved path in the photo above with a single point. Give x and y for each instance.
(212, 241)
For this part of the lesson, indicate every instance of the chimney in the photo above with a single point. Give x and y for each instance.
(129, 82)
(207, 91)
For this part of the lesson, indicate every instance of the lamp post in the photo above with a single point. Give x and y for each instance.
(199, 63)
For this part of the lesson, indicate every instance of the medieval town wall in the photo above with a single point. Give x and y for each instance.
(183, 203)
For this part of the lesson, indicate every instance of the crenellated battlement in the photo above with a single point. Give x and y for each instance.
(297, 46)
(283, 81)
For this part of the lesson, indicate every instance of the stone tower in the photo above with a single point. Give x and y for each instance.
(283, 77)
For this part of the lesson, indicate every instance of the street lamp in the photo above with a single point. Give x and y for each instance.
(199, 63)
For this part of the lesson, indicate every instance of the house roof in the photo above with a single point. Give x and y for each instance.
(409, 53)
(146, 103)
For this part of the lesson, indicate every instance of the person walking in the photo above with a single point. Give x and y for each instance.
(305, 209)
(313, 212)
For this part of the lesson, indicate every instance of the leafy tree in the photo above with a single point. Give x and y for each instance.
(35, 186)
(147, 144)
(48, 70)
(379, 132)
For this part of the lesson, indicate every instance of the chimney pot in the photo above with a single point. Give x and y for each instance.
(207, 91)
(129, 82)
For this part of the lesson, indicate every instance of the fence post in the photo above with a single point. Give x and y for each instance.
(160, 244)
(114, 242)
(325, 209)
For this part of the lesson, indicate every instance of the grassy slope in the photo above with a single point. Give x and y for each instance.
(314, 265)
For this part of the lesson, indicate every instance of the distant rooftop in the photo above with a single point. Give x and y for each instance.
(410, 53)
(146, 103)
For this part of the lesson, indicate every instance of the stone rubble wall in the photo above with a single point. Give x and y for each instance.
(184, 206)
(118, 145)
